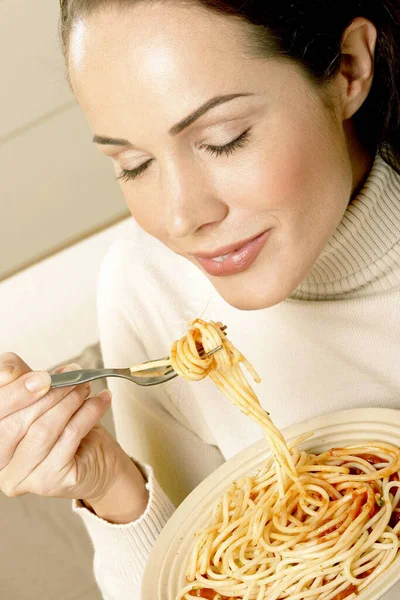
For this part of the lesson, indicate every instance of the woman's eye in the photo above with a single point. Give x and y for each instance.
(229, 148)
(129, 175)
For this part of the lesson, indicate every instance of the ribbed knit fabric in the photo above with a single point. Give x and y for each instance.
(135, 539)
(334, 344)
(363, 256)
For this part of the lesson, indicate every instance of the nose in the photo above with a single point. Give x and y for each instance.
(191, 201)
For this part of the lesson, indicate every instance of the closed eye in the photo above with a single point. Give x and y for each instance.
(128, 175)
(230, 147)
(227, 149)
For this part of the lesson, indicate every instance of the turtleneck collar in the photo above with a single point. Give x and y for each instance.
(363, 255)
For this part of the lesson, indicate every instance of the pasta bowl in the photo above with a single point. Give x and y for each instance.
(164, 576)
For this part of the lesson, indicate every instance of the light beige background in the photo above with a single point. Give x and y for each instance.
(54, 186)
(56, 192)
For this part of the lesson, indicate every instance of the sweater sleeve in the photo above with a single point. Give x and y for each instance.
(121, 551)
(148, 427)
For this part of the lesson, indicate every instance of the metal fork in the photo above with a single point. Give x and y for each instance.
(153, 375)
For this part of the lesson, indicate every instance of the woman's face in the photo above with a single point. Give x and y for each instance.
(219, 152)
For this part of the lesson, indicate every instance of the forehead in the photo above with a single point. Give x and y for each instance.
(112, 34)
(155, 57)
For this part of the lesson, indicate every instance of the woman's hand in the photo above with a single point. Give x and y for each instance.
(51, 444)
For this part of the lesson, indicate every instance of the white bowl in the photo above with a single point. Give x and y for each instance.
(165, 570)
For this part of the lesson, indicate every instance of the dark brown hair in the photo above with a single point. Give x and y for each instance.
(310, 32)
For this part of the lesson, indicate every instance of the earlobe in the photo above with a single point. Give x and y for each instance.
(357, 68)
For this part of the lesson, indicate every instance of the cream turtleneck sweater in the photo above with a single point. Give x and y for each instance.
(334, 344)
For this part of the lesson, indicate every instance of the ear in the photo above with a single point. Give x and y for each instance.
(357, 68)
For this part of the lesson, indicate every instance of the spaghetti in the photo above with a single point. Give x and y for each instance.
(223, 368)
(305, 526)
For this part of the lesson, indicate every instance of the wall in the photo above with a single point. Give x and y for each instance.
(48, 312)
(55, 187)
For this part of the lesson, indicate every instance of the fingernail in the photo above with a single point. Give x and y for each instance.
(105, 395)
(71, 367)
(38, 382)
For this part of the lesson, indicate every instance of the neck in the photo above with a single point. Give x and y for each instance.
(363, 256)
(361, 159)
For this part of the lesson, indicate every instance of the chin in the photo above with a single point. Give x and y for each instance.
(249, 297)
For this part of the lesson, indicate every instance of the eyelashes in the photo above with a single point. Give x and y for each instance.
(126, 175)
(227, 150)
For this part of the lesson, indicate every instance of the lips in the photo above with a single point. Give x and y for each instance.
(233, 259)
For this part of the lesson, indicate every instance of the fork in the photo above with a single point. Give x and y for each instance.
(159, 371)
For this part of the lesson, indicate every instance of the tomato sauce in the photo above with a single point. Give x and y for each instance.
(395, 518)
(355, 471)
(208, 594)
(374, 510)
(347, 592)
(199, 347)
(357, 507)
(372, 459)
(366, 573)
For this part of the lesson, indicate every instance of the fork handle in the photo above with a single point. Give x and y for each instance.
(84, 376)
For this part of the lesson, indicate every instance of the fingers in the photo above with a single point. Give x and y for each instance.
(19, 386)
(81, 424)
(33, 418)
(11, 367)
(61, 457)
(53, 397)
(15, 425)
(63, 369)
(42, 435)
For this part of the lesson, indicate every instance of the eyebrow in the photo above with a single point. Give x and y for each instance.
(179, 127)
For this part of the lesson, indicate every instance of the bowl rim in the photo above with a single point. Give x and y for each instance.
(220, 477)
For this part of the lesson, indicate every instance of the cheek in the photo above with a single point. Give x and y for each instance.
(294, 152)
(148, 215)
(302, 173)
(278, 182)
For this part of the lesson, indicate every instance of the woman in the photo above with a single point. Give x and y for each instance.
(258, 147)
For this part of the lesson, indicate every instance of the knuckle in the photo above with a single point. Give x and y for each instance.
(71, 432)
(3, 429)
(11, 428)
(9, 489)
(84, 390)
(44, 483)
(4, 460)
(74, 395)
(8, 445)
(40, 489)
(7, 450)
(91, 409)
(79, 395)
(9, 358)
(40, 431)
